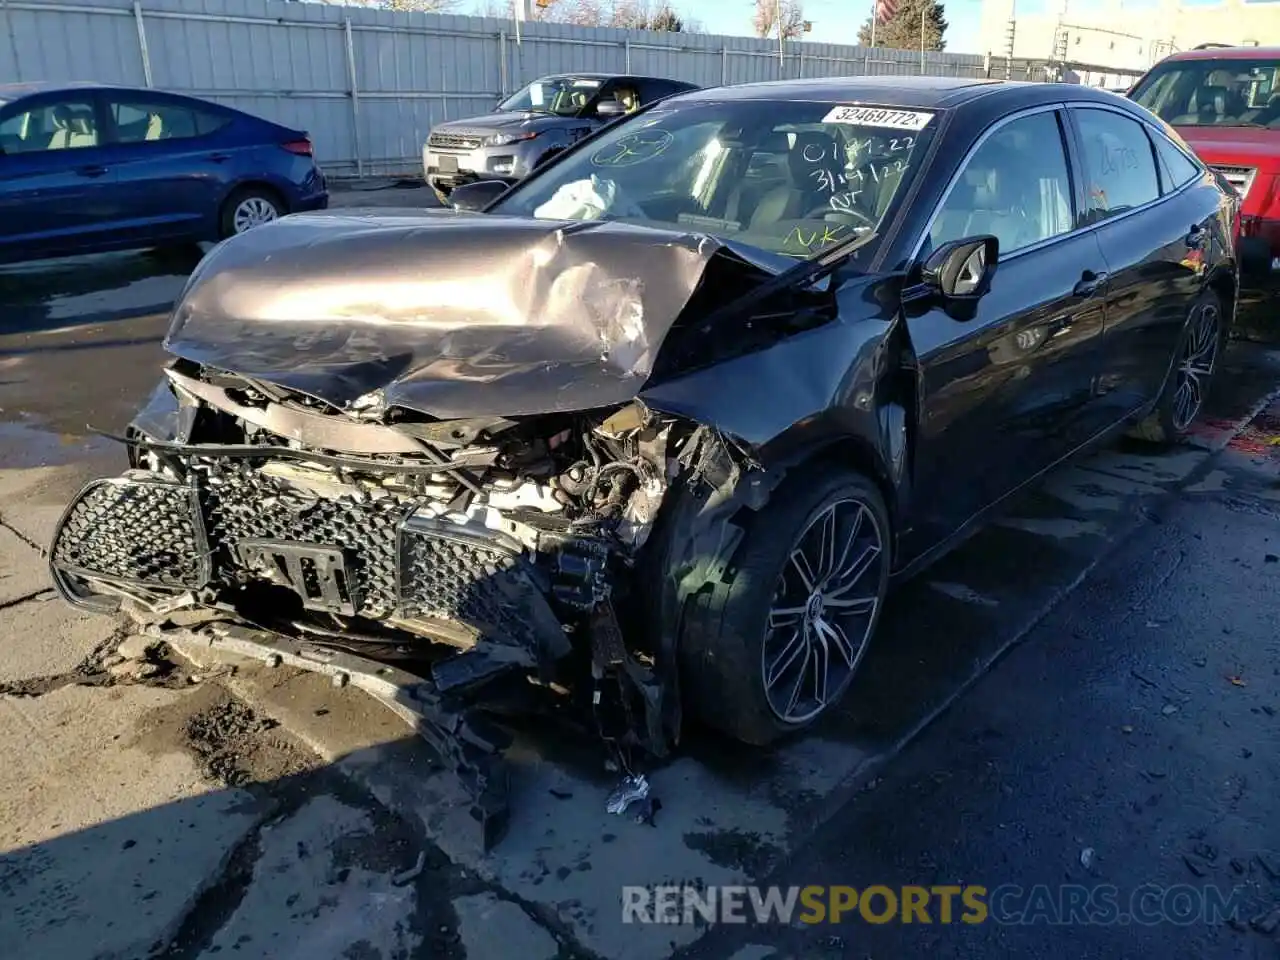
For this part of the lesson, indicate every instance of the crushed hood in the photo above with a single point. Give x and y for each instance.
(449, 314)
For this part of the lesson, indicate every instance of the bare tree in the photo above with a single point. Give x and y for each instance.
(765, 19)
(624, 14)
(417, 6)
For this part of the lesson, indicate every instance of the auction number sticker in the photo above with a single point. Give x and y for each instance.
(880, 117)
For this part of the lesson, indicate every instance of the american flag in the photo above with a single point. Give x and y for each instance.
(885, 9)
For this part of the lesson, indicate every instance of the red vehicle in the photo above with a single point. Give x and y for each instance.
(1225, 102)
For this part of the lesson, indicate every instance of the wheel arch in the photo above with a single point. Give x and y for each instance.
(848, 452)
(255, 183)
(1223, 282)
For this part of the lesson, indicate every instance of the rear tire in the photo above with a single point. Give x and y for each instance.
(247, 208)
(1196, 360)
(760, 656)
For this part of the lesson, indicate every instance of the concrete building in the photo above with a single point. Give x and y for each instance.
(1126, 38)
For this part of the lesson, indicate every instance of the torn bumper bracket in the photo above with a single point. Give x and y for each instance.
(464, 740)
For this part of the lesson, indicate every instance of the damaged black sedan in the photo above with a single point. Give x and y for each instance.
(655, 429)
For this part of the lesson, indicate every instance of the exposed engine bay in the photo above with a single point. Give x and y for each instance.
(509, 563)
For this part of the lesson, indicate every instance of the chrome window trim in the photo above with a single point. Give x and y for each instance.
(1077, 231)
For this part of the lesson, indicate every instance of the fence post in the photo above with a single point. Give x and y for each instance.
(626, 55)
(142, 41)
(724, 66)
(502, 63)
(444, 87)
(13, 40)
(355, 96)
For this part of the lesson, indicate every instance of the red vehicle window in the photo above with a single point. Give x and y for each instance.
(1195, 93)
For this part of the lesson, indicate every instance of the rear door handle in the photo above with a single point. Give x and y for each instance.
(1090, 282)
(92, 171)
(219, 157)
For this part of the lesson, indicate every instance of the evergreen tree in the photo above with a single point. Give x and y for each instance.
(902, 30)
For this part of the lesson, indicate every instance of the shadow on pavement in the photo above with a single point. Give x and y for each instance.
(288, 859)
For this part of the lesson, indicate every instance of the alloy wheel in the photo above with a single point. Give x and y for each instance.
(1195, 367)
(823, 611)
(253, 212)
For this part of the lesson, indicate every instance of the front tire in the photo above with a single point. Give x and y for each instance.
(776, 646)
(1199, 348)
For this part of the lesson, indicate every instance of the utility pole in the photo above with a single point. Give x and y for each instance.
(778, 16)
(1010, 31)
(922, 40)
(875, 15)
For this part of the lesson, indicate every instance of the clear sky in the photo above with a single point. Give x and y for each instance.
(837, 21)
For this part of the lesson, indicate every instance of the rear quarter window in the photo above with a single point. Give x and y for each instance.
(1176, 168)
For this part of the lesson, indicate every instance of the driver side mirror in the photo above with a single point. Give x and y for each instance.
(608, 109)
(958, 274)
(475, 196)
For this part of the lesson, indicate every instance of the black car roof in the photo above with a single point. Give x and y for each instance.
(593, 75)
(928, 93)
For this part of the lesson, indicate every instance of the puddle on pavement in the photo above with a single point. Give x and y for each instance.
(51, 293)
(25, 445)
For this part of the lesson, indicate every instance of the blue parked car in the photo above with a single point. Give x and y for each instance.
(86, 168)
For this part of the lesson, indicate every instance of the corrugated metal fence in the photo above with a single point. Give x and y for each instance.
(369, 84)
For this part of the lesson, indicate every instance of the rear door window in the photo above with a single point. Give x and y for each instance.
(143, 121)
(1119, 164)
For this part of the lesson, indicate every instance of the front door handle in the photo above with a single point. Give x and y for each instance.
(92, 171)
(1060, 325)
(1089, 283)
(219, 157)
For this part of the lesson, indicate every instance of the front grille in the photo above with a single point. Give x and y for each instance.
(449, 574)
(1241, 178)
(242, 503)
(453, 141)
(137, 531)
(163, 534)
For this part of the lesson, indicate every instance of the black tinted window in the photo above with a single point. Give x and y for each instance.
(1176, 165)
(1015, 187)
(1120, 169)
(140, 121)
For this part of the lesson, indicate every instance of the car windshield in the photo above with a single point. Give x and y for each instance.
(1213, 93)
(563, 96)
(789, 177)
